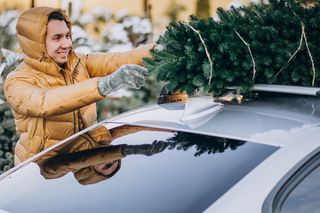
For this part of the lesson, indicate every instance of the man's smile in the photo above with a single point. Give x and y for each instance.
(63, 53)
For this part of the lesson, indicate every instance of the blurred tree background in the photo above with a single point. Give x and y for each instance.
(203, 9)
(8, 61)
(8, 135)
(307, 2)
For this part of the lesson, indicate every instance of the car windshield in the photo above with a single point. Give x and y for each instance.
(145, 169)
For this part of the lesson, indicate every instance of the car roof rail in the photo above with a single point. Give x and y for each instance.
(295, 90)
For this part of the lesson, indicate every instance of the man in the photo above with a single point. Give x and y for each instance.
(92, 163)
(53, 92)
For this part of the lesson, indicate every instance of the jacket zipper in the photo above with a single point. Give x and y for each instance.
(68, 82)
(41, 147)
(78, 113)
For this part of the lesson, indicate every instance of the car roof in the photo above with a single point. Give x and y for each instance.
(271, 120)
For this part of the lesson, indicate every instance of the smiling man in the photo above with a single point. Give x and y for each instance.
(53, 92)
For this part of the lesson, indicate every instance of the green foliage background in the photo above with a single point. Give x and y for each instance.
(272, 32)
(8, 134)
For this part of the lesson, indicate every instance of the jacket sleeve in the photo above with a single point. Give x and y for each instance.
(60, 165)
(102, 64)
(27, 99)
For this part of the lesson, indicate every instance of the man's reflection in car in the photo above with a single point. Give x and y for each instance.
(92, 159)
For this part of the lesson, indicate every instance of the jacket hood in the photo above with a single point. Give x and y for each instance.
(89, 175)
(32, 28)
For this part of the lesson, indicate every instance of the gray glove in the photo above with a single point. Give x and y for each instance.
(159, 47)
(128, 75)
(144, 149)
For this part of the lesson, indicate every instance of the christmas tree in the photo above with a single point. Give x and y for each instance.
(209, 145)
(275, 43)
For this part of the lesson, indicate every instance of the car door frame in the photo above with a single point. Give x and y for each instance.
(289, 182)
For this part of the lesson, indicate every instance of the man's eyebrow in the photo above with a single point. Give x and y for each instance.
(60, 34)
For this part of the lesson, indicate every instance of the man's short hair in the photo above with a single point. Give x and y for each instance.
(56, 16)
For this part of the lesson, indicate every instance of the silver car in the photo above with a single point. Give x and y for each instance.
(194, 155)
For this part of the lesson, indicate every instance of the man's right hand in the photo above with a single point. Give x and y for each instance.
(144, 149)
(128, 75)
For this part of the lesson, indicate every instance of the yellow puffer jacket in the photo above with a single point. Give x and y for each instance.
(81, 164)
(50, 103)
(80, 155)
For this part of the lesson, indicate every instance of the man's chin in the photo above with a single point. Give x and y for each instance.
(62, 62)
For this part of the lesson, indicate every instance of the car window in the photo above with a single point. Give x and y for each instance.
(301, 193)
(306, 196)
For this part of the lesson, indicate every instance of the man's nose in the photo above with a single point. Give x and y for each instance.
(66, 42)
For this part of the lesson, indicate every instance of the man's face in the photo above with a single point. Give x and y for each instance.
(106, 168)
(58, 41)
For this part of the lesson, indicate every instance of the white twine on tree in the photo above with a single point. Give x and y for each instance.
(303, 34)
(206, 49)
(295, 53)
(303, 37)
(311, 58)
(248, 46)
